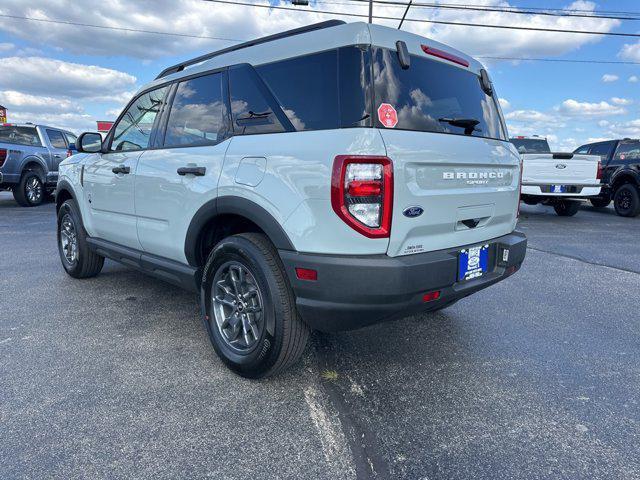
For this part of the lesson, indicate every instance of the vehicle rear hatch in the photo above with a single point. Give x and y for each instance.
(564, 169)
(446, 138)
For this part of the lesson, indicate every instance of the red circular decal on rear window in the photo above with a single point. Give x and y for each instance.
(387, 115)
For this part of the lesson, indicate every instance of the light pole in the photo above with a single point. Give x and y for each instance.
(370, 11)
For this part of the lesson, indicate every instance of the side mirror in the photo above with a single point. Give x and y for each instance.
(89, 142)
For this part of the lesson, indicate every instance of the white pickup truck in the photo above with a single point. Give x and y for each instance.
(560, 180)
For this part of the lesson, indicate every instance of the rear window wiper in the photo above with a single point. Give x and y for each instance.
(469, 124)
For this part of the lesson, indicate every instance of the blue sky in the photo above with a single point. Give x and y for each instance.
(72, 76)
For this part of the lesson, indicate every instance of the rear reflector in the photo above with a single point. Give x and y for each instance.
(306, 274)
(436, 52)
(3, 156)
(431, 296)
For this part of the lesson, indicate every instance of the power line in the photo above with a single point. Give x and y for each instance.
(489, 8)
(154, 32)
(439, 22)
(567, 60)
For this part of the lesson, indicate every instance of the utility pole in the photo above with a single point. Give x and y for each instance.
(370, 11)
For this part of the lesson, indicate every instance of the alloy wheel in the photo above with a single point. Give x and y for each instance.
(237, 306)
(68, 239)
(33, 190)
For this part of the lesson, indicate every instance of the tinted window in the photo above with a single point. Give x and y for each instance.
(602, 149)
(250, 110)
(628, 152)
(431, 92)
(56, 139)
(19, 136)
(133, 131)
(324, 90)
(198, 113)
(71, 138)
(582, 150)
(531, 145)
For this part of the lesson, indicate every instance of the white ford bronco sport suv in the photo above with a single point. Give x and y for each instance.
(328, 177)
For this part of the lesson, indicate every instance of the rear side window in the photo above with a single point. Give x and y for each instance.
(322, 91)
(602, 149)
(133, 131)
(20, 136)
(250, 109)
(628, 153)
(56, 139)
(198, 114)
(432, 96)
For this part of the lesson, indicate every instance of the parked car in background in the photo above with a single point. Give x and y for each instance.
(560, 180)
(294, 189)
(29, 159)
(620, 175)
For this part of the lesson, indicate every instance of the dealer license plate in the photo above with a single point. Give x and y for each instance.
(473, 262)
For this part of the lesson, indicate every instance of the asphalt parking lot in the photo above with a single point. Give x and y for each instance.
(536, 377)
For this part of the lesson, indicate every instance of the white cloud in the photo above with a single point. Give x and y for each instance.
(621, 101)
(207, 19)
(45, 76)
(113, 113)
(5, 47)
(572, 108)
(630, 51)
(37, 103)
(76, 122)
(504, 103)
(608, 78)
(529, 116)
(633, 79)
(624, 129)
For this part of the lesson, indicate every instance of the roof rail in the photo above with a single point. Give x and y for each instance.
(289, 33)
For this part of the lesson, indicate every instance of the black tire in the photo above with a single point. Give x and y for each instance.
(566, 208)
(626, 200)
(599, 202)
(280, 336)
(30, 191)
(85, 263)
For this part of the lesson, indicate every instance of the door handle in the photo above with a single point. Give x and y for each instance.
(197, 171)
(121, 169)
(56, 156)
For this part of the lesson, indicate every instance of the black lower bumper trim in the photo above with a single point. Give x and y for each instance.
(355, 291)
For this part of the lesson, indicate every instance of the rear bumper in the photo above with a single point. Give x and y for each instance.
(355, 291)
(573, 190)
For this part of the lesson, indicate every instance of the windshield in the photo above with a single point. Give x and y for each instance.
(19, 135)
(531, 145)
(432, 96)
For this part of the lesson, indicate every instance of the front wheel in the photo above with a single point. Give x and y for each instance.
(250, 311)
(77, 259)
(566, 208)
(627, 201)
(30, 191)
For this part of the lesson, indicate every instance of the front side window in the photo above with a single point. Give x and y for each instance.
(250, 110)
(71, 138)
(19, 136)
(198, 114)
(133, 131)
(432, 96)
(628, 152)
(56, 139)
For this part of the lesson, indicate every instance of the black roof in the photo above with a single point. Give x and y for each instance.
(296, 31)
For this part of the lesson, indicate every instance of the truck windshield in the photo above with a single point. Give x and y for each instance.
(19, 135)
(432, 96)
(531, 145)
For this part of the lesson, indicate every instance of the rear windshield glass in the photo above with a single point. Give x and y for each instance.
(531, 145)
(432, 96)
(19, 136)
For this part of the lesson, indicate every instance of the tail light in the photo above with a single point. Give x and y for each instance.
(519, 189)
(362, 193)
(599, 174)
(3, 156)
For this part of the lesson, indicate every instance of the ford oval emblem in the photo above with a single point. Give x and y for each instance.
(413, 212)
(561, 166)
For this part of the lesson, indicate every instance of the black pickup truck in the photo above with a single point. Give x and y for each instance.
(620, 174)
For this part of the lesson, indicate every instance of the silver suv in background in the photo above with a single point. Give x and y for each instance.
(29, 159)
(329, 178)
